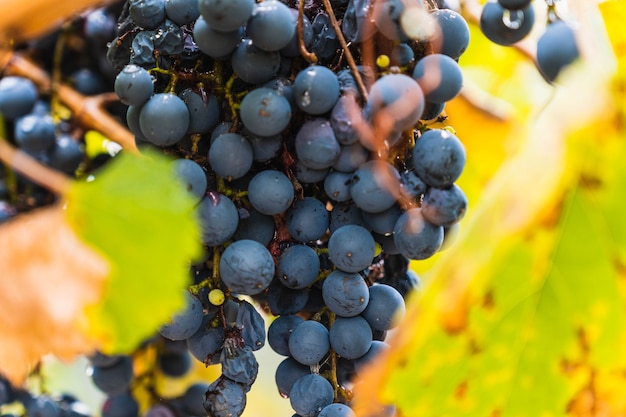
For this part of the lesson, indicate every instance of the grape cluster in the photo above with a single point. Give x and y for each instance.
(43, 405)
(316, 181)
(507, 22)
(33, 119)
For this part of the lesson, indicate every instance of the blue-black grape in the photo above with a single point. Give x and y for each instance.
(351, 248)
(355, 25)
(206, 344)
(376, 348)
(17, 96)
(133, 85)
(255, 225)
(387, 15)
(230, 156)
(346, 294)
(375, 186)
(556, 49)
(452, 36)
(279, 331)
(88, 82)
(99, 24)
(254, 65)
(385, 307)
(316, 89)
(186, 322)
(218, 219)
(337, 186)
(283, 300)
(265, 112)
(34, 133)
(143, 49)
(402, 55)
(193, 177)
(432, 110)
(439, 76)
(397, 98)
(270, 192)
(246, 267)
(350, 337)
(66, 154)
(298, 266)
(411, 185)
(415, 237)
(384, 221)
(307, 220)
(114, 379)
(203, 110)
(251, 324)
(193, 399)
(182, 12)
(226, 16)
(310, 394)
(309, 342)
(239, 363)
(225, 398)
(337, 410)
(351, 157)
(438, 158)
(344, 116)
(345, 213)
(287, 373)
(264, 148)
(325, 43)
(271, 25)
(307, 175)
(120, 405)
(147, 14)
(506, 27)
(444, 207)
(174, 364)
(164, 119)
(216, 44)
(316, 145)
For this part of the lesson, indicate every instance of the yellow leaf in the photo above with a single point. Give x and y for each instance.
(48, 278)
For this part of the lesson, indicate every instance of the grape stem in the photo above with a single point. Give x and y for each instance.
(33, 169)
(88, 111)
(344, 46)
(309, 56)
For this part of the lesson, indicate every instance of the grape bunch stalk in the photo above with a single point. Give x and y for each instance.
(312, 136)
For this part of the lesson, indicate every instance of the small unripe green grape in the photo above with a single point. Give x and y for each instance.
(217, 297)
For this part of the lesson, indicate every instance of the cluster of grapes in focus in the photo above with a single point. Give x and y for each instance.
(310, 135)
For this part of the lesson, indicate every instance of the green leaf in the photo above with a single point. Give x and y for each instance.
(140, 218)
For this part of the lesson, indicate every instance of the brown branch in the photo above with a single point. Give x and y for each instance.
(28, 166)
(346, 50)
(23, 20)
(88, 111)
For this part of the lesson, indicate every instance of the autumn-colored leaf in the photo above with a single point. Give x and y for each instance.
(48, 278)
(524, 315)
